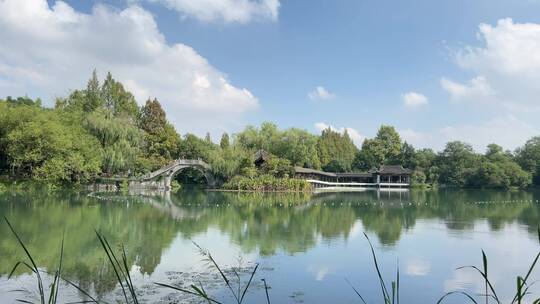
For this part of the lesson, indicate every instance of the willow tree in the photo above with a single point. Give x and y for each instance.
(120, 140)
(45, 145)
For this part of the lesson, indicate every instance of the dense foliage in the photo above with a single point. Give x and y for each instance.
(100, 131)
(267, 183)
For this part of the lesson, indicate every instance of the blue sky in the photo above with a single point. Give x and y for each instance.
(436, 70)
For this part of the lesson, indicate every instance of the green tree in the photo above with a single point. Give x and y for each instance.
(390, 143)
(424, 161)
(111, 98)
(528, 157)
(457, 162)
(192, 147)
(45, 146)
(120, 140)
(336, 151)
(92, 98)
(418, 177)
(498, 170)
(153, 118)
(296, 145)
(161, 141)
(278, 167)
(407, 156)
(227, 163)
(224, 142)
(117, 100)
(384, 149)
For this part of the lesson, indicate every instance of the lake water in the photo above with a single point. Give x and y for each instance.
(307, 245)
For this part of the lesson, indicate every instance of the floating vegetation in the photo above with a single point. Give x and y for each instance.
(232, 278)
(239, 282)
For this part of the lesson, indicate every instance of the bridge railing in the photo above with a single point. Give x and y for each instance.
(178, 162)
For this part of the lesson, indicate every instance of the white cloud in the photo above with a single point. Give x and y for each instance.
(320, 93)
(506, 67)
(506, 73)
(415, 138)
(477, 89)
(238, 11)
(319, 271)
(512, 46)
(356, 137)
(418, 267)
(413, 99)
(507, 131)
(46, 51)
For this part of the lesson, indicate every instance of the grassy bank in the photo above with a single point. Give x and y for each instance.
(267, 183)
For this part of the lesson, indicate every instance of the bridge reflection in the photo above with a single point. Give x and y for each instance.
(148, 222)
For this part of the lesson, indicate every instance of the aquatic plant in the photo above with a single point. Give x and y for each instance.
(52, 298)
(388, 298)
(490, 294)
(237, 289)
(121, 270)
(267, 183)
(522, 287)
(238, 292)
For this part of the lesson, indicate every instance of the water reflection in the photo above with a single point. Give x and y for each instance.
(265, 224)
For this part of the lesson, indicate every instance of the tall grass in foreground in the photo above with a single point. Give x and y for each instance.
(238, 290)
(52, 298)
(490, 293)
(522, 287)
(121, 270)
(388, 298)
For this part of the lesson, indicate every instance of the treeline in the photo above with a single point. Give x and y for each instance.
(100, 131)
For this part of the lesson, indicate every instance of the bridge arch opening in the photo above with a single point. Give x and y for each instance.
(192, 177)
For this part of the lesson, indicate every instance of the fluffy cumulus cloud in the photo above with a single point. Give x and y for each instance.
(47, 50)
(477, 89)
(418, 267)
(356, 137)
(320, 93)
(506, 73)
(414, 100)
(237, 11)
(507, 131)
(506, 66)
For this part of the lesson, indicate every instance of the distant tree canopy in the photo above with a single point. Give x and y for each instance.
(336, 151)
(101, 131)
(384, 149)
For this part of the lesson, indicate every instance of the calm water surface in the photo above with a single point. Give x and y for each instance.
(306, 245)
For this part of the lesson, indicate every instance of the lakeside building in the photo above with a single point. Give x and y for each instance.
(386, 176)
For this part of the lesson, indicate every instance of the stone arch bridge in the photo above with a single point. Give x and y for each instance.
(161, 179)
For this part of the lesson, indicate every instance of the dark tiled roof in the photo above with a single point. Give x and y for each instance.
(385, 169)
(313, 171)
(354, 174)
(392, 169)
(261, 155)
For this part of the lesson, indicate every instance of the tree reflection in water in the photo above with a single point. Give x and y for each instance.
(148, 223)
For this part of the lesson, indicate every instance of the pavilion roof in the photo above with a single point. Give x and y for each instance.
(313, 171)
(391, 169)
(261, 156)
(354, 174)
